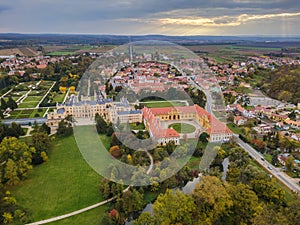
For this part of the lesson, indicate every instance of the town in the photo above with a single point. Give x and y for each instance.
(43, 98)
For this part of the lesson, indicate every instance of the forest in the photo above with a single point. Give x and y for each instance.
(283, 83)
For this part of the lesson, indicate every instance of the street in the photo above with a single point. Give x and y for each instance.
(275, 172)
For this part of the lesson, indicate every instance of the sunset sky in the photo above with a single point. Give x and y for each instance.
(168, 17)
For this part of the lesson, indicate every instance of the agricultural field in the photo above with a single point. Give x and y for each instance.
(227, 53)
(59, 50)
(22, 51)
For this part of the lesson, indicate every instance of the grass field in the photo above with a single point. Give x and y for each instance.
(28, 104)
(63, 184)
(134, 126)
(59, 97)
(28, 113)
(161, 104)
(33, 98)
(234, 128)
(183, 128)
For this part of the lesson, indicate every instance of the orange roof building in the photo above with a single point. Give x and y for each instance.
(154, 117)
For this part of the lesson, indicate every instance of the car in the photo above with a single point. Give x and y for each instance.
(262, 158)
(270, 168)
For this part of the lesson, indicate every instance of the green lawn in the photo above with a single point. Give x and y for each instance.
(63, 184)
(268, 157)
(160, 104)
(59, 97)
(60, 53)
(105, 140)
(194, 162)
(183, 128)
(28, 105)
(28, 113)
(93, 216)
(234, 128)
(33, 99)
(134, 126)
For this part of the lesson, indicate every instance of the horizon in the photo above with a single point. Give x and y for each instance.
(153, 34)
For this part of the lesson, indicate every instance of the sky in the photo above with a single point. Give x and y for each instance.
(140, 17)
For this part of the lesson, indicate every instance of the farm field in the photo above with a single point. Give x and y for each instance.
(226, 53)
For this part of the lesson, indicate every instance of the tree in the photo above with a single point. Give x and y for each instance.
(174, 208)
(17, 156)
(239, 156)
(65, 127)
(15, 130)
(132, 201)
(11, 173)
(271, 214)
(3, 104)
(267, 190)
(144, 218)
(41, 142)
(290, 163)
(110, 130)
(115, 151)
(245, 204)
(45, 128)
(101, 125)
(11, 103)
(204, 137)
(114, 140)
(212, 199)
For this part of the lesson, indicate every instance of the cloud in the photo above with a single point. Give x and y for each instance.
(145, 16)
(222, 20)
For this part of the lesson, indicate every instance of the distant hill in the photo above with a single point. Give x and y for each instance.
(14, 39)
(283, 83)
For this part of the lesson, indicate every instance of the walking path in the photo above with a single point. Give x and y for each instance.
(6, 93)
(66, 96)
(76, 212)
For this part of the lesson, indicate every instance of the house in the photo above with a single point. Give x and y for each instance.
(292, 123)
(282, 158)
(263, 129)
(239, 120)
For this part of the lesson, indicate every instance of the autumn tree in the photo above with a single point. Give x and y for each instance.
(115, 151)
(290, 163)
(245, 204)
(212, 199)
(41, 142)
(174, 208)
(17, 157)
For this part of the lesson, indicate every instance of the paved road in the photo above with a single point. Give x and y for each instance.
(289, 182)
(276, 172)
